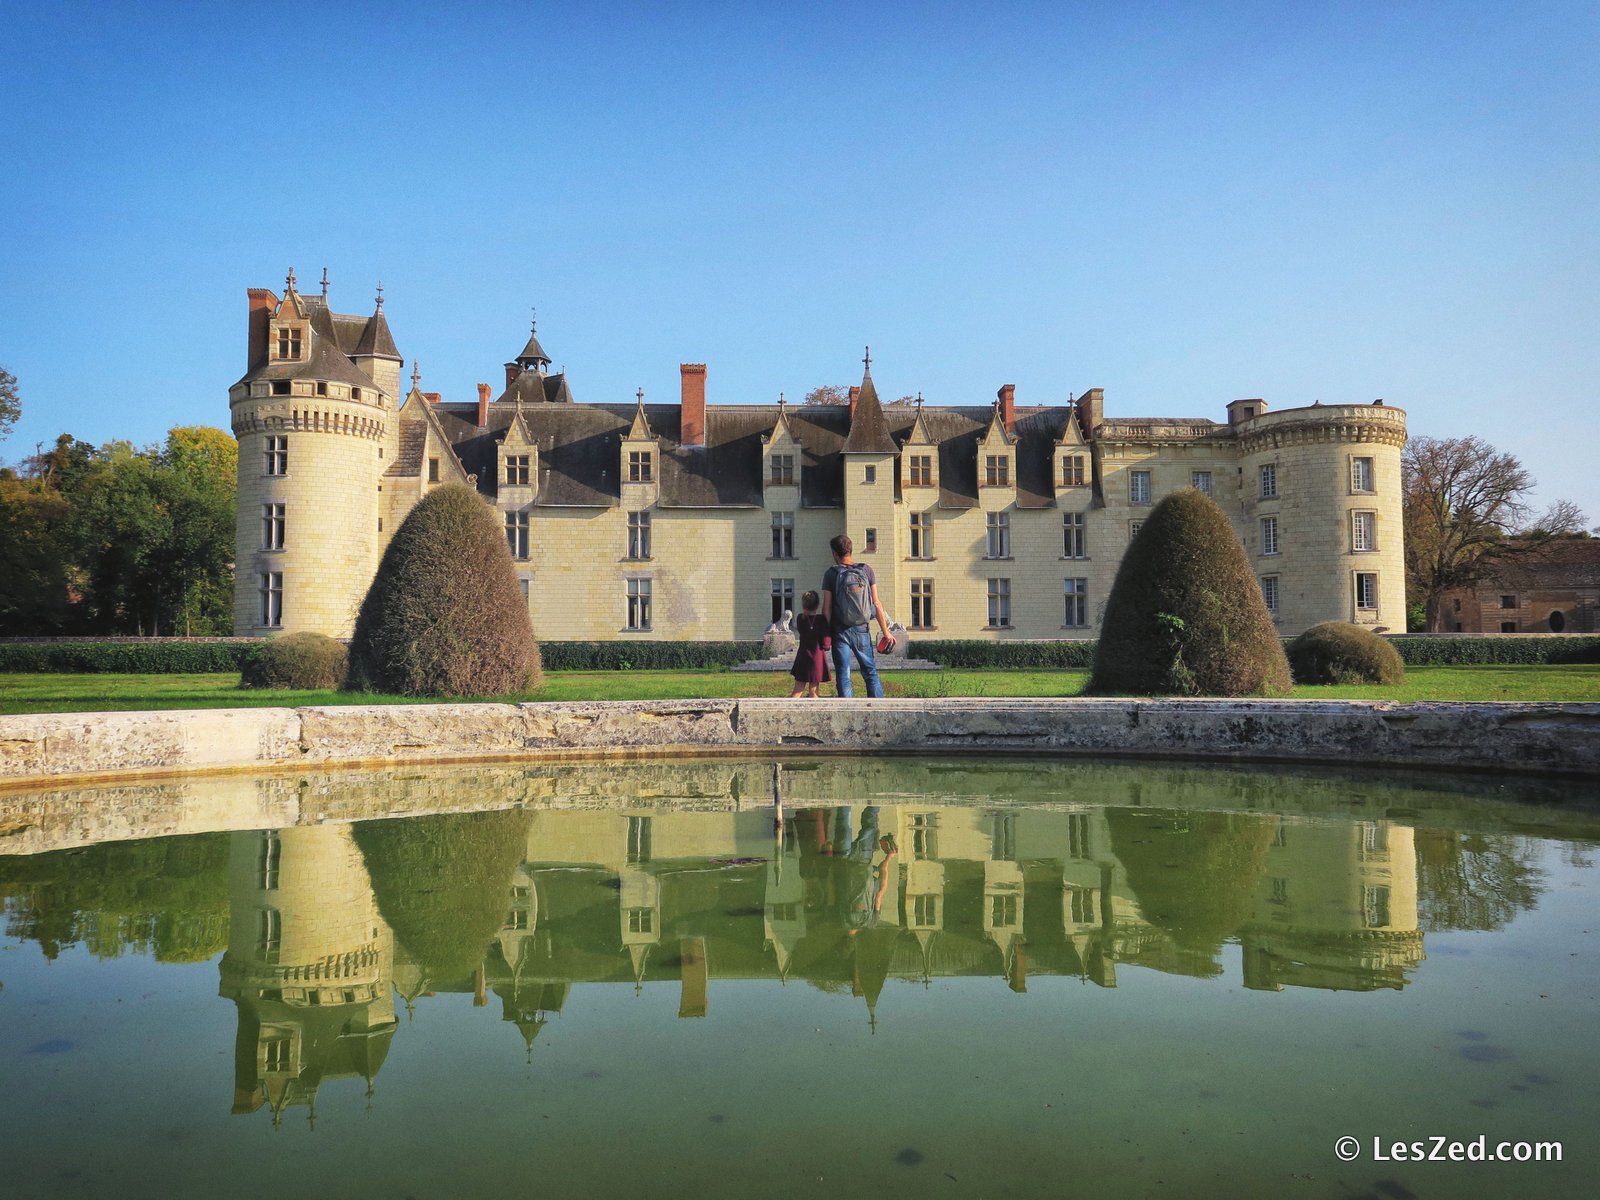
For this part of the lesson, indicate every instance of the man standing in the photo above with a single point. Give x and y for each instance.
(850, 603)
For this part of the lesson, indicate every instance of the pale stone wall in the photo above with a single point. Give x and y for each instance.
(332, 505)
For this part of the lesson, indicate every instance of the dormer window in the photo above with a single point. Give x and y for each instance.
(997, 470)
(639, 466)
(920, 467)
(355, 393)
(1072, 470)
(517, 469)
(322, 387)
(289, 343)
(782, 470)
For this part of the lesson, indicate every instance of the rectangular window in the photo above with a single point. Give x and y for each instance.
(1200, 481)
(640, 469)
(638, 604)
(1361, 475)
(272, 526)
(1072, 471)
(277, 456)
(782, 470)
(1508, 626)
(999, 603)
(925, 911)
(1269, 481)
(1139, 487)
(275, 1054)
(922, 604)
(638, 840)
(433, 470)
(921, 470)
(517, 534)
(269, 856)
(1269, 593)
(1363, 531)
(1508, 601)
(1073, 544)
(924, 835)
(638, 535)
(526, 587)
(872, 541)
(1003, 838)
(517, 469)
(1269, 535)
(1366, 591)
(1077, 593)
(999, 529)
(641, 920)
(921, 535)
(997, 470)
(1078, 845)
(782, 598)
(1082, 905)
(269, 933)
(1133, 529)
(869, 475)
(1375, 906)
(289, 343)
(782, 535)
(270, 586)
(1003, 911)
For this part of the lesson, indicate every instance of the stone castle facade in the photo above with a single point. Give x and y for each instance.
(691, 521)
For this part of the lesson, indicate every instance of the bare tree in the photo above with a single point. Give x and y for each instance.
(828, 394)
(1561, 519)
(1462, 499)
(10, 403)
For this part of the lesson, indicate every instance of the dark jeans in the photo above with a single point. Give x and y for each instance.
(855, 642)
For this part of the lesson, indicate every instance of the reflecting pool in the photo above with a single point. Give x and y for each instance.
(830, 978)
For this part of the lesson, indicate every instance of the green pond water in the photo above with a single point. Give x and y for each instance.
(823, 978)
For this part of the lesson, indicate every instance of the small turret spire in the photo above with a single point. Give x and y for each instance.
(324, 285)
(533, 325)
(416, 375)
(380, 295)
(866, 360)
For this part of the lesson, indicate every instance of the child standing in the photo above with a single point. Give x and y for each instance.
(816, 642)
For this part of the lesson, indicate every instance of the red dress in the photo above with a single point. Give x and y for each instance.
(811, 658)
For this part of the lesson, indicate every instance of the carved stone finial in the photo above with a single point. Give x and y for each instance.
(533, 326)
(640, 395)
(380, 295)
(324, 285)
(866, 360)
(288, 283)
(416, 373)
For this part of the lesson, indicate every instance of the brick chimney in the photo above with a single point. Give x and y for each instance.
(483, 406)
(692, 419)
(434, 397)
(1008, 405)
(855, 394)
(512, 371)
(1092, 410)
(262, 305)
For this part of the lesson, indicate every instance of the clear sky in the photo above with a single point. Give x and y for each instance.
(1182, 203)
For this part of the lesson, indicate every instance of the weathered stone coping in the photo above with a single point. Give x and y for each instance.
(1548, 739)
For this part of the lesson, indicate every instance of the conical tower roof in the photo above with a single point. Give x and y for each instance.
(869, 432)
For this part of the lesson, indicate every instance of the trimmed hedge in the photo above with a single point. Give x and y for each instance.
(1016, 656)
(1339, 652)
(1450, 650)
(125, 658)
(645, 656)
(301, 661)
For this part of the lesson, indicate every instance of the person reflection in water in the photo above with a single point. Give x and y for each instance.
(865, 876)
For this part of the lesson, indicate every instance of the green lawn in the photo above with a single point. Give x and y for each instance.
(25, 693)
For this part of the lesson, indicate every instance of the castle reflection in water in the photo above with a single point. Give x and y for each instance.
(334, 925)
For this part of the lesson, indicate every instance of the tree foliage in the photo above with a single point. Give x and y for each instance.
(1339, 652)
(1462, 499)
(10, 403)
(445, 615)
(828, 394)
(1185, 615)
(302, 661)
(119, 540)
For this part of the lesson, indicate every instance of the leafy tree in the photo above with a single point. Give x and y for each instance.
(10, 403)
(34, 590)
(445, 615)
(1462, 499)
(1185, 615)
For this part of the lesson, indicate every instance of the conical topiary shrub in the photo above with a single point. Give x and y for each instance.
(1186, 616)
(445, 615)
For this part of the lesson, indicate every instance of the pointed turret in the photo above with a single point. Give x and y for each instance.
(533, 356)
(869, 431)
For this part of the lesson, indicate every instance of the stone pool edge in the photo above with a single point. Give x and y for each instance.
(1546, 739)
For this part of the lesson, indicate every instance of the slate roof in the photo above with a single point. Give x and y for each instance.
(1558, 564)
(869, 432)
(324, 360)
(580, 450)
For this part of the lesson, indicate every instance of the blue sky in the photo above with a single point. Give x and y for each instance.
(1183, 204)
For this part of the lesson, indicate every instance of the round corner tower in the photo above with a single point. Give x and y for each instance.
(1320, 512)
(313, 416)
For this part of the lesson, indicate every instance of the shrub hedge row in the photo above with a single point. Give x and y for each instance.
(645, 656)
(125, 658)
(1018, 656)
(193, 658)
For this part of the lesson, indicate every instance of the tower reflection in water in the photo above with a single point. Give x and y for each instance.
(330, 923)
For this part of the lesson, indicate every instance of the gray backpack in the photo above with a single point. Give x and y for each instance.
(852, 596)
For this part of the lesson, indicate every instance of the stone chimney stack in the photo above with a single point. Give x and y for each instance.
(483, 406)
(1092, 409)
(512, 371)
(692, 419)
(262, 305)
(1008, 406)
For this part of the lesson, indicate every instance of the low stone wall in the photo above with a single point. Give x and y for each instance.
(1548, 739)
